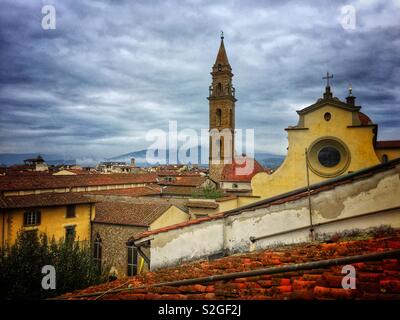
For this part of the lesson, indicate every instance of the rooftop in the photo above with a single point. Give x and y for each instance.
(378, 279)
(129, 192)
(242, 169)
(389, 144)
(13, 183)
(126, 213)
(43, 200)
(184, 180)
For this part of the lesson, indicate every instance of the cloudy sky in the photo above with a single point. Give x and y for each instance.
(113, 70)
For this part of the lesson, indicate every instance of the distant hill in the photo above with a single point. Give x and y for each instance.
(265, 159)
(9, 159)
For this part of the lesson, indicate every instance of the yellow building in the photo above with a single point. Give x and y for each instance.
(335, 137)
(62, 215)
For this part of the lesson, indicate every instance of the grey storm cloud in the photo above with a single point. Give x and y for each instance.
(113, 70)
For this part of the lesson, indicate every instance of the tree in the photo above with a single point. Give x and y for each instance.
(207, 192)
(21, 267)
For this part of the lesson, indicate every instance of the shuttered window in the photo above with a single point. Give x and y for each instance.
(132, 261)
(71, 211)
(32, 217)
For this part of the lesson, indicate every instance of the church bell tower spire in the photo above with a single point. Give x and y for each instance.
(222, 114)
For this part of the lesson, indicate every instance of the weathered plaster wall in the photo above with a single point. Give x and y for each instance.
(369, 202)
(235, 185)
(186, 244)
(114, 238)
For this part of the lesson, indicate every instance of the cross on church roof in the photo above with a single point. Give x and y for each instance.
(222, 35)
(327, 77)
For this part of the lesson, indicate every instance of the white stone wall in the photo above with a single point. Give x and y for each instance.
(365, 203)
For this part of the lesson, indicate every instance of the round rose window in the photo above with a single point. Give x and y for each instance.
(329, 157)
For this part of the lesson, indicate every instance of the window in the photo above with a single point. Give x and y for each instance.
(329, 157)
(132, 261)
(32, 217)
(70, 233)
(97, 251)
(235, 185)
(71, 211)
(385, 158)
(327, 116)
(219, 67)
(218, 117)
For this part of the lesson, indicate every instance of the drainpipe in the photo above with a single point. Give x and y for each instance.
(3, 215)
(309, 197)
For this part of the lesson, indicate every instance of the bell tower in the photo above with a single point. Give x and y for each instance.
(222, 114)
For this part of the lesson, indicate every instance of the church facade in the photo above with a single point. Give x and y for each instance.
(332, 138)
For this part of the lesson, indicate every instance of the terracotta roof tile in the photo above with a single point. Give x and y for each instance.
(321, 283)
(129, 192)
(388, 144)
(190, 180)
(44, 200)
(178, 190)
(365, 120)
(125, 213)
(233, 172)
(69, 181)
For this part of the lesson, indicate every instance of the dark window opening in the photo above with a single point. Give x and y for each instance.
(327, 116)
(219, 117)
(132, 261)
(71, 211)
(219, 67)
(32, 217)
(329, 157)
(385, 158)
(70, 233)
(98, 251)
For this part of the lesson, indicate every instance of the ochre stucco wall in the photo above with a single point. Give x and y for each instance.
(391, 153)
(292, 173)
(53, 222)
(172, 216)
